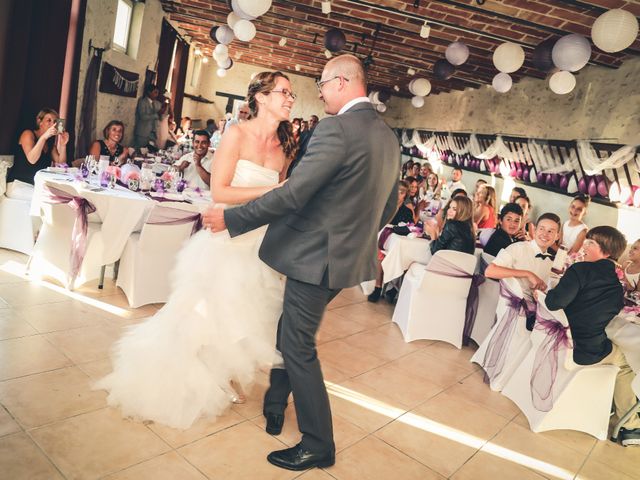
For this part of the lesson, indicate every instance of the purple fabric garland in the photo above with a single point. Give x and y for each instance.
(83, 208)
(545, 364)
(174, 216)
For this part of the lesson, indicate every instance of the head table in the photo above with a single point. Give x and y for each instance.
(119, 210)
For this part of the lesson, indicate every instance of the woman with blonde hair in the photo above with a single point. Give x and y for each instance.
(457, 233)
(484, 207)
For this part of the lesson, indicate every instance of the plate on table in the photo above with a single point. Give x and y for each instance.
(70, 170)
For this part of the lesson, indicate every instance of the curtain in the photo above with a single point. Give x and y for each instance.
(168, 37)
(87, 132)
(179, 78)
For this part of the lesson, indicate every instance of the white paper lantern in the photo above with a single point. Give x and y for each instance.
(220, 52)
(508, 57)
(224, 35)
(562, 82)
(221, 72)
(411, 87)
(381, 107)
(373, 96)
(244, 30)
(232, 18)
(614, 30)
(224, 63)
(251, 8)
(457, 53)
(571, 52)
(502, 82)
(421, 87)
(417, 101)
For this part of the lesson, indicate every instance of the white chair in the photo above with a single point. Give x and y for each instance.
(149, 256)
(488, 295)
(579, 398)
(51, 253)
(484, 234)
(508, 341)
(17, 227)
(635, 386)
(432, 305)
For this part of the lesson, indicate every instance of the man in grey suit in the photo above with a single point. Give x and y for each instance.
(147, 116)
(323, 226)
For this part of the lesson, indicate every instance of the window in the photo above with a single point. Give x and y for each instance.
(195, 73)
(123, 25)
(173, 62)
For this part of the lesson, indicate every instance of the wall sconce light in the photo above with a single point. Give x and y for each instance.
(205, 60)
(282, 42)
(326, 7)
(327, 54)
(425, 30)
(197, 52)
(411, 71)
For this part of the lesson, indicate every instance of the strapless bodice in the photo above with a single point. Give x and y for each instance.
(249, 174)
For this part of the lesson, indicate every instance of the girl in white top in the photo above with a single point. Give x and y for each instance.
(574, 230)
(632, 267)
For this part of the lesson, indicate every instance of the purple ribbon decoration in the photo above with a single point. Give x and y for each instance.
(442, 266)
(495, 355)
(384, 235)
(83, 208)
(545, 364)
(174, 216)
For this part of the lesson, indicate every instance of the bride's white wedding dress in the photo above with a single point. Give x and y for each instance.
(219, 324)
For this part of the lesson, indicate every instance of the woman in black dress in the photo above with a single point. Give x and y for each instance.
(111, 146)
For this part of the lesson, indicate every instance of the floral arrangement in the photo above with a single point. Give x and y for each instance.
(132, 175)
(113, 170)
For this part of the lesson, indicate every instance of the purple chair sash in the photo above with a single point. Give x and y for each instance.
(495, 355)
(442, 266)
(384, 235)
(545, 364)
(174, 216)
(83, 208)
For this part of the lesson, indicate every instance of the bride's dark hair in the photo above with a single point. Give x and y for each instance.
(265, 82)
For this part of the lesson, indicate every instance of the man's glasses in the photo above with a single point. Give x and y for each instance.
(286, 93)
(320, 83)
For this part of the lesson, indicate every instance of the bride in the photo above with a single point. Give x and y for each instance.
(219, 323)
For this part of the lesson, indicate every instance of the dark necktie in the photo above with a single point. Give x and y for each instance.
(544, 256)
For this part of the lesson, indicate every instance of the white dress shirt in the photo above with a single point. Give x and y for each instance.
(522, 256)
(191, 172)
(351, 103)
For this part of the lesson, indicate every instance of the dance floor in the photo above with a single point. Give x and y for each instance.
(400, 411)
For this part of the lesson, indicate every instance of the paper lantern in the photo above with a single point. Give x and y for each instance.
(221, 72)
(221, 52)
(508, 57)
(541, 56)
(592, 189)
(244, 30)
(573, 185)
(224, 35)
(384, 95)
(542, 178)
(417, 102)
(334, 40)
(571, 52)
(564, 182)
(421, 87)
(615, 30)
(457, 53)
(381, 107)
(226, 63)
(625, 194)
(502, 82)
(562, 82)
(614, 192)
(443, 70)
(232, 19)
(636, 198)
(212, 33)
(251, 8)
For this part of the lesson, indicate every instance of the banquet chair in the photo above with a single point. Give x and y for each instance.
(635, 386)
(17, 227)
(150, 255)
(51, 253)
(578, 398)
(488, 295)
(432, 301)
(508, 339)
(484, 234)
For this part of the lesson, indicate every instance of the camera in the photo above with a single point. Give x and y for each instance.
(60, 125)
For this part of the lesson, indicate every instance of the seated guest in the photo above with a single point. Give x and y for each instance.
(516, 193)
(111, 146)
(36, 150)
(508, 228)
(431, 187)
(196, 165)
(413, 201)
(484, 207)
(631, 267)
(526, 227)
(425, 170)
(529, 262)
(479, 184)
(591, 295)
(211, 126)
(574, 230)
(457, 233)
(403, 215)
(442, 216)
(455, 182)
(407, 169)
(184, 133)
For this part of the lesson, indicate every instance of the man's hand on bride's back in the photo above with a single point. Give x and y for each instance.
(213, 219)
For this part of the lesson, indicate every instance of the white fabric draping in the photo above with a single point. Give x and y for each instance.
(593, 164)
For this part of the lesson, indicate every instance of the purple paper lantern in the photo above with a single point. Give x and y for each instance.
(519, 171)
(583, 185)
(564, 182)
(334, 40)
(592, 188)
(443, 70)
(602, 186)
(541, 56)
(542, 178)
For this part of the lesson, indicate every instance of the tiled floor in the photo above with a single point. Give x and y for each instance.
(401, 411)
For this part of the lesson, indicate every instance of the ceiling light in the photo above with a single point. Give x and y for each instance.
(282, 42)
(327, 54)
(197, 52)
(298, 68)
(396, 88)
(205, 60)
(326, 7)
(425, 30)
(411, 71)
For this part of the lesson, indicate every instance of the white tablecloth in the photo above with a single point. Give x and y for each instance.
(626, 335)
(401, 253)
(120, 210)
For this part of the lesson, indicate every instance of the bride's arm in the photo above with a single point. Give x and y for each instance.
(224, 167)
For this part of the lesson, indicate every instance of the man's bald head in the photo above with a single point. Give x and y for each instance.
(348, 66)
(343, 79)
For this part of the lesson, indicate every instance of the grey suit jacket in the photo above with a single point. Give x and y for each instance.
(325, 219)
(146, 120)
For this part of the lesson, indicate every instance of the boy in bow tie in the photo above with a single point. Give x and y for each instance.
(529, 262)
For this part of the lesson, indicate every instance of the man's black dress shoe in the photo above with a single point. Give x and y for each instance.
(274, 423)
(298, 458)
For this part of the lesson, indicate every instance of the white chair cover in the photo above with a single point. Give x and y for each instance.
(508, 339)
(488, 295)
(432, 304)
(149, 257)
(484, 234)
(551, 390)
(17, 229)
